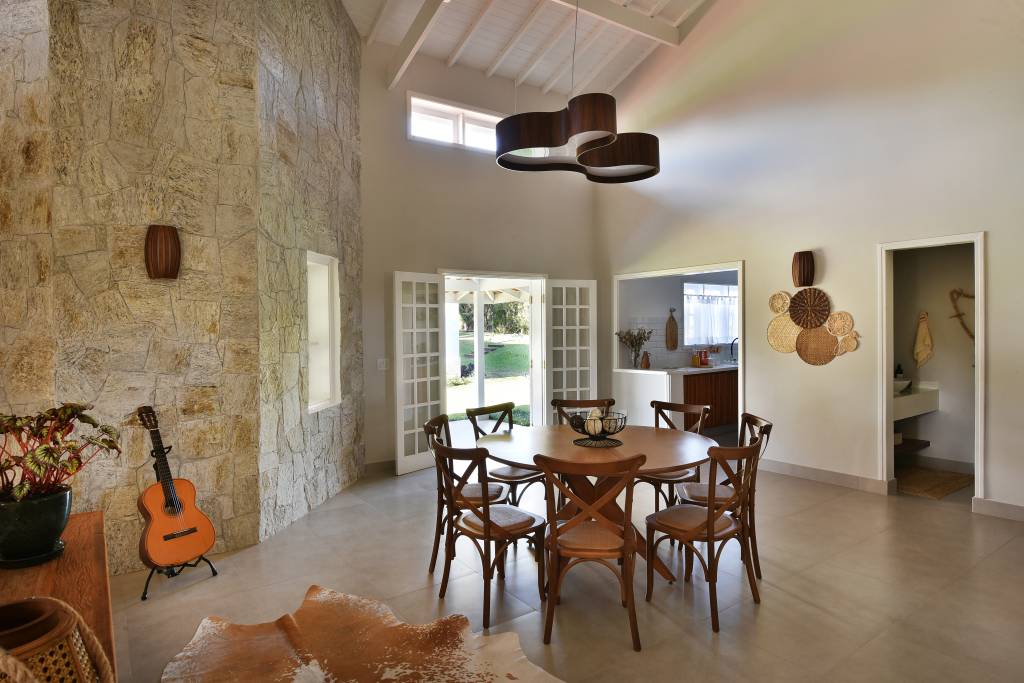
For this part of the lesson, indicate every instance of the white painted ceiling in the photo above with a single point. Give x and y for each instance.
(538, 52)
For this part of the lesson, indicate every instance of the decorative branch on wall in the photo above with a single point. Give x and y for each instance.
(954, 297)
(806, 324)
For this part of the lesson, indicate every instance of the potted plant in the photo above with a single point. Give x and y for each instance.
(39, 456)
(634, 340)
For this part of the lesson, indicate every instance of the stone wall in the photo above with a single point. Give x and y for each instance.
(308, 85)
(28, 350)
(117, 114)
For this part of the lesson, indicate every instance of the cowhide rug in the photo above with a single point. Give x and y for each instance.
(338, 637)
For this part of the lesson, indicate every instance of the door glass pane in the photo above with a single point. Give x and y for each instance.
(421, 317)
(570, 338)
(584, 379)
(410, 419)
(570, 359)
(570, 296)
(557, 339)
(556, 296)
(432, 293)
(570, 317)
(557, 317)
(584, 296)
(406, 292)
(584, 337)
(410, 443)
(406, 317)
(407, 343)
(584, 315)
(421, 292)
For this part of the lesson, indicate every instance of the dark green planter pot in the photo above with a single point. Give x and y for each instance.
(30, 529)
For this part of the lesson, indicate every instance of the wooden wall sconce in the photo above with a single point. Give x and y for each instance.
(803, 269)
(163, 252)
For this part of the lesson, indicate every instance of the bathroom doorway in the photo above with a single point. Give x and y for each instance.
(931, 362)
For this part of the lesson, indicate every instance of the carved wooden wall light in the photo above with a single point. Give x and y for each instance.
(163, 252)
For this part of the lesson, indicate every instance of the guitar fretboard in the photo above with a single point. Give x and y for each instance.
(163, 470)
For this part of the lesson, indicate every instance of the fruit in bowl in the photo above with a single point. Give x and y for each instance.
(597, 425)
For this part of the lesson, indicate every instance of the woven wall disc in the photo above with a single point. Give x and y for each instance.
(816, 346)
(809, 308)
(782, 334)
(840, 323)
(850, 342)
(779, 302)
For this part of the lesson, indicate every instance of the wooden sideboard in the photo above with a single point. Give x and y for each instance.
(78, 577)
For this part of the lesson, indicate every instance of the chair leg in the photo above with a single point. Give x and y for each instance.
(487, 584)
(651, 556)
(713, 584)
(437, 535)
(752, 532)
(688, 572)
(512, 497)
(630, 604)
(538, 543)
(749, 565)
(449, 554)
(500, 552)
(555, 574)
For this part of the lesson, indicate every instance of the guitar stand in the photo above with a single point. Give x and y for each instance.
(171, 572)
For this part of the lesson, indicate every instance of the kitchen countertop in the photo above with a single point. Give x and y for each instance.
(725, 367)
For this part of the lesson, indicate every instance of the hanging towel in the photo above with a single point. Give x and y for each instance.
(924, 348)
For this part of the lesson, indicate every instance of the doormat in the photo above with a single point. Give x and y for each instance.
(934, 484)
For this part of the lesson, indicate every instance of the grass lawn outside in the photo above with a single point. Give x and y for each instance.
(505, 355)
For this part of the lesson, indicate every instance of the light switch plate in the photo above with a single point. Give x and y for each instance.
(382, 364)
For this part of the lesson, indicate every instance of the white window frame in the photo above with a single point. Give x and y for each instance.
(457, 112)
(335, 334)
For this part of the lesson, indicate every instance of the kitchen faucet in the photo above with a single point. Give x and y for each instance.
(732, 348)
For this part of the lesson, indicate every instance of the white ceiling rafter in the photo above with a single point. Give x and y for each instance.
(468, 35)
(414, 38)
(657, 8)
(691, 17)
(599, 68)
(550, 44)
(378, 21)
(626, 18)
(632, 66)
(514, 40)
(579, 51)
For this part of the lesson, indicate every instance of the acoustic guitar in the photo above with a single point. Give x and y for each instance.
(176, 531)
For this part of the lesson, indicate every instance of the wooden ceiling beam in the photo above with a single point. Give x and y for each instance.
(468, 35)
(379, 21)
(413, 39)
(626, 18)
(657, 8)
(554, 40)
(526, 26)
(580, 51)
(602, 65)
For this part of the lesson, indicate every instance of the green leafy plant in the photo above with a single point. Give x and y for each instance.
(634, 340)
(40, 454)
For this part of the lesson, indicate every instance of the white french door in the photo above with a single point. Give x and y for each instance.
(571, 311)
(419, 365)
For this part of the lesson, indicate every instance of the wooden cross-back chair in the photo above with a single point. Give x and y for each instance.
(589, 534)
(438, 429)
(715, 524)
(696, 415)
(752, 428)
(561, 405)
(513, 476)
(482, 521)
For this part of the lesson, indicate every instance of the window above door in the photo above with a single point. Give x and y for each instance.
(442, 122)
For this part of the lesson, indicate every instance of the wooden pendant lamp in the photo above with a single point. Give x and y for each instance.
(582, 138)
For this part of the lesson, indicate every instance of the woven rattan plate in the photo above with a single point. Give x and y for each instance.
(840, 323)
(779, 302)
(816, 346)
(782, 334)
(809, 308)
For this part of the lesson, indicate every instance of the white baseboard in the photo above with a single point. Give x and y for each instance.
(994, 508)
(849, 481)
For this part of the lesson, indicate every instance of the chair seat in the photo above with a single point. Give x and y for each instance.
(687, 519)
(671, 477)
(472, 492)
(590, 537)
(698, 493)
(510, 518)
(515, 474)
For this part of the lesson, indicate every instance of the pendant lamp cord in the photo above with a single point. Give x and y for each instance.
(575, 31)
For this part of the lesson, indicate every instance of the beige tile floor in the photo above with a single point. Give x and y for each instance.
(857, 587)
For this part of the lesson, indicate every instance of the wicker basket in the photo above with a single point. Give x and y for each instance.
(816, 346)
(45, 639)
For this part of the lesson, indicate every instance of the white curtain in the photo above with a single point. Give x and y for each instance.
(709, 319)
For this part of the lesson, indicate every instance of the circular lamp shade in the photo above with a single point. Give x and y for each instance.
(581, 138)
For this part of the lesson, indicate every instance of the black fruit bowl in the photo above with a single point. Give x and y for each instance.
(597, 431)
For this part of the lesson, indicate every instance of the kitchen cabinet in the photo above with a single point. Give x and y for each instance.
(720, 390)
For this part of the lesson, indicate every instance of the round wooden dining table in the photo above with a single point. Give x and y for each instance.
(667, 450)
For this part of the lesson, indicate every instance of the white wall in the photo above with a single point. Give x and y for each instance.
(922, 279)
(800, 124)
(427, 207)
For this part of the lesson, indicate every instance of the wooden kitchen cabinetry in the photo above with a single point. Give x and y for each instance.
(720, 390)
